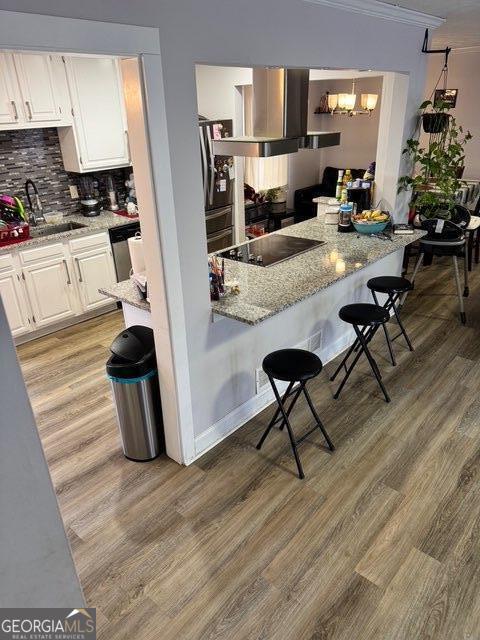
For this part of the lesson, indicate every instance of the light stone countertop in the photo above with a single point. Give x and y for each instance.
(127, 292)
(266, 291)
(106, 220)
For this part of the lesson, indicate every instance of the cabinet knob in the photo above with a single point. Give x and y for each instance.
(29, 109)
(15, 112)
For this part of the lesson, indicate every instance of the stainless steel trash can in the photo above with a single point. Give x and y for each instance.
(132, 370)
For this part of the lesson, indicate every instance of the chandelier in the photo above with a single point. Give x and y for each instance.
(344, 103)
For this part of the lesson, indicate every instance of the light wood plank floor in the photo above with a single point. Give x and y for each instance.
(380, 542)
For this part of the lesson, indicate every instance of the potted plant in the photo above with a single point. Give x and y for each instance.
(436, 120)
(435, 169)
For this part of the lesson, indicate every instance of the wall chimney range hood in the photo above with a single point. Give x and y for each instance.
(280, 114)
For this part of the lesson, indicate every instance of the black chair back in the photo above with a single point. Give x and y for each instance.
(442, 230)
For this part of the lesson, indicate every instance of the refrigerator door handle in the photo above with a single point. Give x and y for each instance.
(205, 168)
(212, 164)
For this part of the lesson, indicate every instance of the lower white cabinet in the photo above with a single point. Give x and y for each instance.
(56, 281)
(14, 301)
(93, 270)
(50, 291)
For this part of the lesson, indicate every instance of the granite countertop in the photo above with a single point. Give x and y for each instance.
(126, 291)
(265, 292)
(106, 220)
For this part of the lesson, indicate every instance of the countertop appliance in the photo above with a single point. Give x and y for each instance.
(90, 204)
(271, 249)
(121, 256)
(218, 184)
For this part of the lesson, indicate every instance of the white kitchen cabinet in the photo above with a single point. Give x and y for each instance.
(93, 270)
(14, 301)
(10, 111)
(99, 136)
(36, 79)
(50, 290)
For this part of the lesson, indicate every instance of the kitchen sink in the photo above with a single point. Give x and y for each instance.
(50, 229)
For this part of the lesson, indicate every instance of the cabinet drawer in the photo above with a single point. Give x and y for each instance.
(41, 253)
(89, 242)
(6, 262)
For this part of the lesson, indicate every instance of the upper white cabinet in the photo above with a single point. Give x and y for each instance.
(33, 91)
(9, 99)
(37, 86)
(99, 136)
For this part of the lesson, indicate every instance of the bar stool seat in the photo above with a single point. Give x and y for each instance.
(297, 367)
(363, 314)
(394, 287)
(292, 365)
(389, 284)
(366, 320)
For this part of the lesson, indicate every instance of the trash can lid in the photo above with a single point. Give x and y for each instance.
(133, 353)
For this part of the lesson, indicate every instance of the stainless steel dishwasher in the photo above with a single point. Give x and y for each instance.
(119, 240)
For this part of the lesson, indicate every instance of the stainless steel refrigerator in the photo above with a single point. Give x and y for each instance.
(218, 184)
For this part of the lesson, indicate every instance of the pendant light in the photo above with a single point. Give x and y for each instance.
(368, 101)
(346, 101)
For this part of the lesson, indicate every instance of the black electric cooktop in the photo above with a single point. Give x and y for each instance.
(270, 249)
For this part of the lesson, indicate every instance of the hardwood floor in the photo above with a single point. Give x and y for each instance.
(380, 542)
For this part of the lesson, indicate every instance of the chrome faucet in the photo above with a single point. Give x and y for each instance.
(36, 210)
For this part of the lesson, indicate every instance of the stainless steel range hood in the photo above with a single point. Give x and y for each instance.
(280, 114)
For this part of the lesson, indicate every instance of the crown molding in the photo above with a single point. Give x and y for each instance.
(377, 9)
(474, 48)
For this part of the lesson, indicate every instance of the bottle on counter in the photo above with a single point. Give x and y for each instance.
(347, 178)
(338, 192)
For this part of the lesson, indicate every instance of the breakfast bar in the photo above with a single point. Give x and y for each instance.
(292, 303)
(266, 291)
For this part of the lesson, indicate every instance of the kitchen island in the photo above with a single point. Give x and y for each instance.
(294, 303)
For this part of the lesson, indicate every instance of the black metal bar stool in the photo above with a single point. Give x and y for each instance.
(293, 366)
(366, 320)
(393, 287)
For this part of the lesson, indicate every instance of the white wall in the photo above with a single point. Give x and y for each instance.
(37, 566)
(463, 74)
(245, 33)
(216, 89)
(358, 142)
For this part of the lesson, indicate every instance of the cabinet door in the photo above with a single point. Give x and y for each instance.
(9, 109)
(99, 114)
(37, 86)
(94, 270)
(50, 291)
(11, 292)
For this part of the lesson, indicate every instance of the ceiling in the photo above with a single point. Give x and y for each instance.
(462, 25)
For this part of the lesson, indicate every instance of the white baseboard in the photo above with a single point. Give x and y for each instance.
(249, 409)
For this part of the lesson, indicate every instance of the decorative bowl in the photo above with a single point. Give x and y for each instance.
(369, 227)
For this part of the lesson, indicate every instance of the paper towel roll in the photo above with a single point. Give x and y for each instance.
(135, 248)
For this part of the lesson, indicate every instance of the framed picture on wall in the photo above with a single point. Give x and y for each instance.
(447, 95)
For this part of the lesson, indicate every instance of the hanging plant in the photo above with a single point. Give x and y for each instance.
(434, 181)
(435, 121)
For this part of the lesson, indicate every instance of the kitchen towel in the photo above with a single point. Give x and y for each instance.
(135, 248)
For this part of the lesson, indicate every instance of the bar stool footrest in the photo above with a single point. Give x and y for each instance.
(309, 433)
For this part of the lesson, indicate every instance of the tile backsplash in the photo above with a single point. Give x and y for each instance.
(35, 154)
